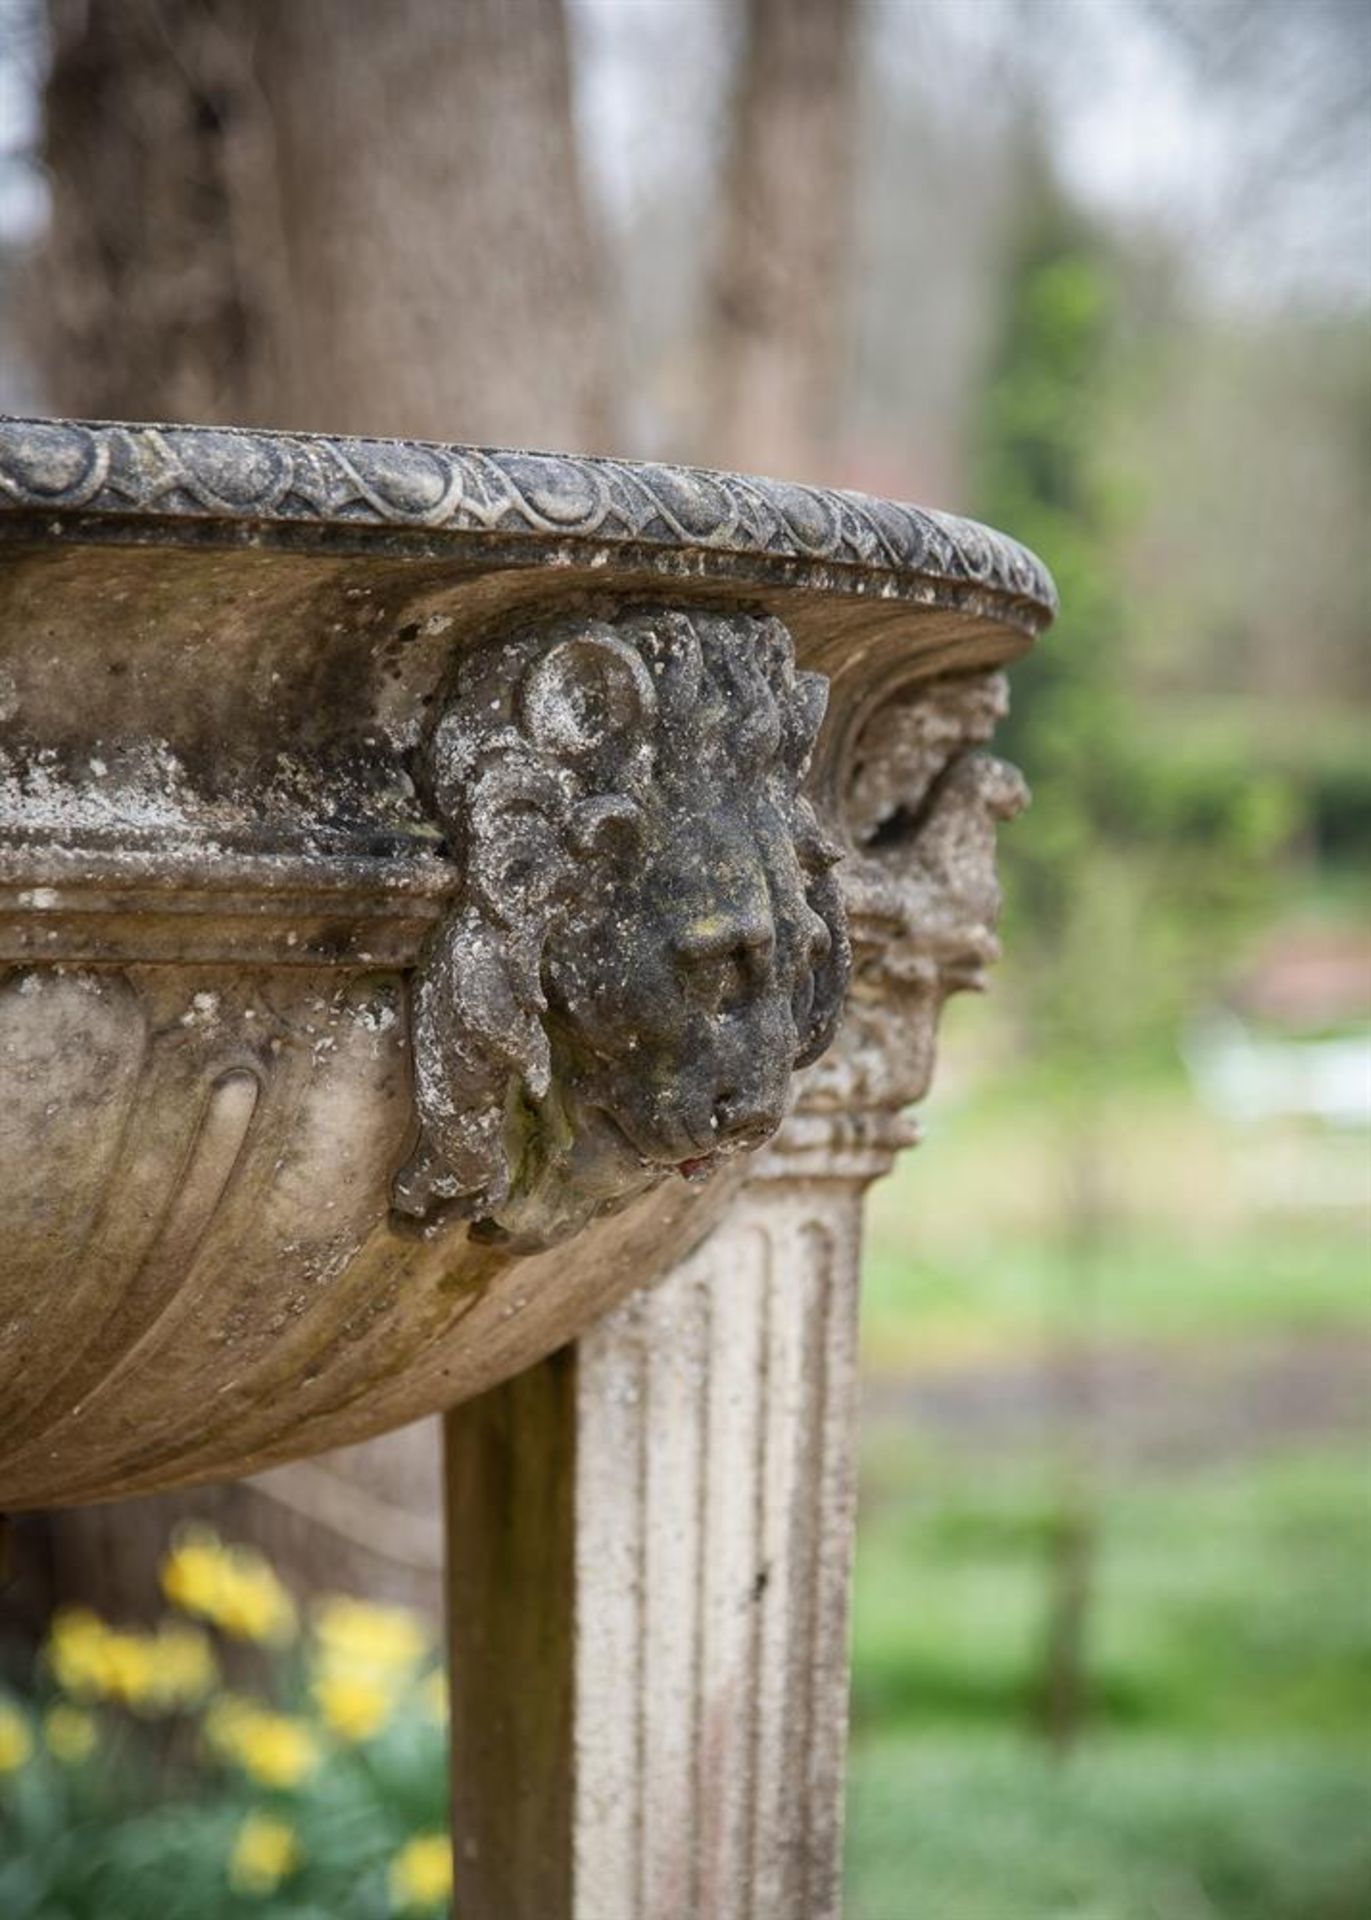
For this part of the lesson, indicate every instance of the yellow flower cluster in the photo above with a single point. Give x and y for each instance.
(386, 1639)
(265, 1852)
(362, 1661)
(233, 1587)
(364, 1657)
(272, 1748)
(353, 1706)
(156, 1672)
(16, 1742)
(421, 1873)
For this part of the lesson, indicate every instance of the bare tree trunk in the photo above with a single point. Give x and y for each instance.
(441, 275)
(330, 214)
(148, 295)
(325, 214)
(1061, 1695)
(773, 359)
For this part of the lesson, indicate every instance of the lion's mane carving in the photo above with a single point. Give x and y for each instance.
(649, 938)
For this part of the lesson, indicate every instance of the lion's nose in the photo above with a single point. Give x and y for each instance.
(727, 961)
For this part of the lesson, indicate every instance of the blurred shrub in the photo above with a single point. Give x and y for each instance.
(1140, 860)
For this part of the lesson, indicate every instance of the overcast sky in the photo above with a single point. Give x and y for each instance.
(1138, 135)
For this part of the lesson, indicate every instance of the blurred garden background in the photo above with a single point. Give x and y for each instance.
(1098, 271)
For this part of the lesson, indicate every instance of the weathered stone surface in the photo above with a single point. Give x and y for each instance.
(253, 817)
(916, 805)
(654, 1531)
(271, 483)
(649, 940)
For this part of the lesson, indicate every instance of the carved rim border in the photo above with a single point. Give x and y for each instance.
(94, 479)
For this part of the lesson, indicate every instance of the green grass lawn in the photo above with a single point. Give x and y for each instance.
(1228, 1601)
(947, 1827)
(1224, 1772)
(968, 1244)
(1156, 1283)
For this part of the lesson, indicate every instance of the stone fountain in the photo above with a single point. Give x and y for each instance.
(471, 924)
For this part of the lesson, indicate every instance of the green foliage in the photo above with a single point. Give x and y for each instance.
(132, 1782)
(1230, 1599)
(965, 1828)
(115, 1836)
(1137, 859)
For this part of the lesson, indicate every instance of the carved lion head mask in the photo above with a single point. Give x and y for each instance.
(649, 938)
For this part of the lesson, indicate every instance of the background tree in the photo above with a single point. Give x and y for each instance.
(325, 214)
(772, 346)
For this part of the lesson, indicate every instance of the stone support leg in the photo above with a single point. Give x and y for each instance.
(650, 1543)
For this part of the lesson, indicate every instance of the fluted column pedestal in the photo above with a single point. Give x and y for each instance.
(691, 1466)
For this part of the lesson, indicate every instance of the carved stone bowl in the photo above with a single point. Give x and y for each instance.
(422, 872)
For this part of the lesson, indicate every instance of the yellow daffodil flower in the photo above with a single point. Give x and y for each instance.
(265, 1852)
(150, 1672)
(186, 1669)
(354, 1706)
(75, 1652)
(232, 1587)
(421, 1873)
(272, 1748)
(384, 1639)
